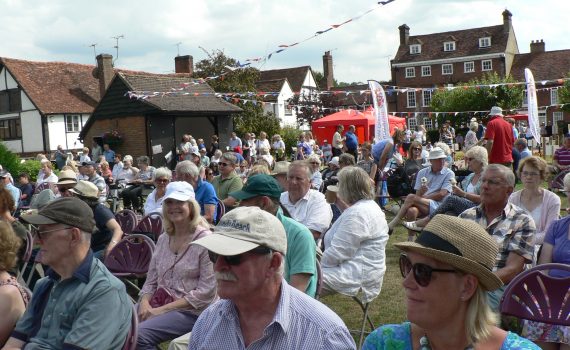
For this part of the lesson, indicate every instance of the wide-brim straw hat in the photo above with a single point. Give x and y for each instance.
(461, 243)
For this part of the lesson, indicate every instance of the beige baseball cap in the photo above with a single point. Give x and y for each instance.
(243, 229)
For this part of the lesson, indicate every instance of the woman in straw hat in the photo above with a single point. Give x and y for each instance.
(447, 272)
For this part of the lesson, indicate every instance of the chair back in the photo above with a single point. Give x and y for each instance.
(127, 219)
(132, 336)
(536, 296)
(131, 256)
(151, 225)
(29, 247)
(319, 280)
(45, 186)
(220, 211)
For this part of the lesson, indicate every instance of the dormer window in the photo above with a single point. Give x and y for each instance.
(485, 42)
(415, 49)
(449, 46)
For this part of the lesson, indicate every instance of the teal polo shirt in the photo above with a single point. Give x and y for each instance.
(301, 254)
(90, 310)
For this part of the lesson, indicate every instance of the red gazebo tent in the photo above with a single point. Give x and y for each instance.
(365, 122)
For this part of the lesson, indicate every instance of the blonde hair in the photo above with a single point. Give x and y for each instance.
(354, 184)
(258, 169)
(535, 162)
(195, 218)
(480, 319)
(478, 153)
(444, 147)
(9, 246)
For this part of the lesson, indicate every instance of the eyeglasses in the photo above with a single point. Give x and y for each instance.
(422, 272)
(417, 149)
(41, 233)
(163, 181)
(224, 164)
(529, 174)
(234, 260)
(492, 182)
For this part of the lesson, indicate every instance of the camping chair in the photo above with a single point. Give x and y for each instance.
(536, 296)
(127, 219)
(150, 225)
(132, 336)
(130, 258)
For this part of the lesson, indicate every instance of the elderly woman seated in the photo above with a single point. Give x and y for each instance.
(315, 165)
(133, 193)
(447, 272)
(161, 178)
(354, 258)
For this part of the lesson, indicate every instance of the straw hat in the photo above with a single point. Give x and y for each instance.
(461, 243)
(281, 168)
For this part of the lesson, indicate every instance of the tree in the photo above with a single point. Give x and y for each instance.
(564, 95)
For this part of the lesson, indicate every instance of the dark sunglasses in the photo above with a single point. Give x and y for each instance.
(234, 260)
(417, 149)
(224, 164)
(422, 272)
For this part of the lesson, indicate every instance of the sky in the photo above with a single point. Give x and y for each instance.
(63, 30)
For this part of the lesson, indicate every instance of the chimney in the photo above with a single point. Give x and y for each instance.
(537, 46)
(507, 21)
(184, 64)
(328, 78)
(104, 72)
(404, 34)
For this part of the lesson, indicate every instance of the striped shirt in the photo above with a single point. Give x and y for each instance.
(300, 322)
(562, 156)
(514, 231)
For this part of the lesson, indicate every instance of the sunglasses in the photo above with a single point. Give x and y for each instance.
(422, 272)
(234, 260)
(162, 181)
(417, 149)
(224, 164)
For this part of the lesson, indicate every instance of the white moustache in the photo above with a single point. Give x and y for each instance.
(226, 276)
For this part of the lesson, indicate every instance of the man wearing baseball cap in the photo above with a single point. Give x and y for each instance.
(248, 249)
(500, 138)
(79, 304)
(90, 172)
(263, 191)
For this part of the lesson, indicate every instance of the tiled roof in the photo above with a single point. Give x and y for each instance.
(177, 103)
(544, 65)
(342, 99)
(466, 44)
(56, 87)
(274, 86)
(295, 76)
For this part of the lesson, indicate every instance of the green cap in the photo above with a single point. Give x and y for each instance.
(259, 185)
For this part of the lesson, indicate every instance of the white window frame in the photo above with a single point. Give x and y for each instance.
(554, 96)
(485, 42)
(556, 116)
(426, 71)
(525, 98)
(410, 72)
(490, 62)
(415, 49)
(443, 66)
(412, 123)
(469, 64)
(428, 123)
(426, 97)
(411, 97)
(75, 123)
(449, 46)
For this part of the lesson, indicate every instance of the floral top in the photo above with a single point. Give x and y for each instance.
(398, 337)
(188, 275)
(13, 282)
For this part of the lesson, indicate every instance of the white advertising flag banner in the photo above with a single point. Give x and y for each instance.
(533, 124)
(382, 130)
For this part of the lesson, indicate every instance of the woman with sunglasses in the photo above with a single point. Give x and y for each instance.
(447, 272)
(415, 161)
(366, 161)
(180, 282)
(153, 203)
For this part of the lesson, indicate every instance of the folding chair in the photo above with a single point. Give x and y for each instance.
(220, 211)
(536, 296)
(127, 219)
(365, 307)
(150, 225)
(27, 256)
(132, 336)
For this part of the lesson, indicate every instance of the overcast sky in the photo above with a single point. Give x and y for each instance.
(62, 30)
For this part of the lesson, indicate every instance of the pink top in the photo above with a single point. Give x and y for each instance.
(550, 212)
(191, 278)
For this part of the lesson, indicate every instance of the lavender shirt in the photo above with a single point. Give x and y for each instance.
(192, 278)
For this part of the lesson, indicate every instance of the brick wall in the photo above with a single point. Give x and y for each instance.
(133, 130)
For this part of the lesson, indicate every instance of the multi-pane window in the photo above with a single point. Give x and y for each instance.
(426, 98)
(410, 72)
(10, 129)
(486, 65)
(426, 71)
(72, 123)
(469, 67)
(412, 123)
(449, 46)
(554, 96)
(10, 101)
(485, 42)
(411, 99)
(525, 98)
(415, 49)
(446, 69)
(556, 116)
(428, 123)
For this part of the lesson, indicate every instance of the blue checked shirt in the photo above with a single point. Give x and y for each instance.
(514, 231)
(300, 322)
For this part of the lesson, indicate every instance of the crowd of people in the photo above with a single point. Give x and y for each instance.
(291, 231)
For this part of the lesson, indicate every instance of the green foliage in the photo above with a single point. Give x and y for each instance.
(9, 160)
(240, 80)
(564, 95)
(252, 119)
(290, 136)
(32, 167)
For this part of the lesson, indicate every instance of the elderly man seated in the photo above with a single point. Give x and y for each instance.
(433, 185)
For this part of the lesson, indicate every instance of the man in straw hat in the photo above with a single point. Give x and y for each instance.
(66, 181)
(447, 272)
(79, 304)
(258, 308)
(500, 138)
(432, 186)
(511, 227)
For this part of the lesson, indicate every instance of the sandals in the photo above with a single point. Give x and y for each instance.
(411, 225)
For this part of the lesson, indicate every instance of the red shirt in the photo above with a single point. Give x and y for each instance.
(501, 132)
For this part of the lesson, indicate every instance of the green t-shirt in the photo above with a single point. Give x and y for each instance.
(226, 186)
